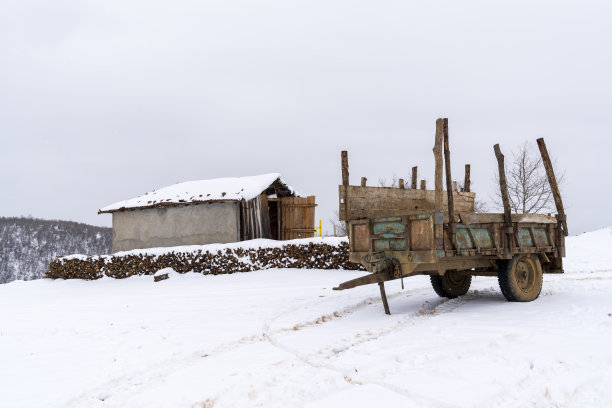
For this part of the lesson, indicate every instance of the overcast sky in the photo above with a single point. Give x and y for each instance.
(101, 101)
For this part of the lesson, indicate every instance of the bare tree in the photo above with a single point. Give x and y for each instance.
(480, 206)
(394, 182)
(528, 187)
(382, 182)
(339, 226)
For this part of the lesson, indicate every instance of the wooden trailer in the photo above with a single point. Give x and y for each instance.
(401, 232)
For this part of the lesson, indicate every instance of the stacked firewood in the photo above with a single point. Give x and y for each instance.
(308, 256)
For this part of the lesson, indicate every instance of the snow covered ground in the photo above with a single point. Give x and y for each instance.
(283, 338)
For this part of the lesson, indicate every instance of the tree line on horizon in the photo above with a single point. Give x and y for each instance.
(28, 245)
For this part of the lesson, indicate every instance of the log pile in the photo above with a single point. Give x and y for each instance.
(308, 256)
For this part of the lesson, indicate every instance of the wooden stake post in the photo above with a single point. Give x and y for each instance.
(552, 181)
(437, 150)
(414, 178)
(438, 184)
(466, 181)
(345, 168)
(345, 183)
(449, 188)
(503, 186)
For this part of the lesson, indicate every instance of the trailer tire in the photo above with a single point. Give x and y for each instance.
(520, 278)
(452, 284)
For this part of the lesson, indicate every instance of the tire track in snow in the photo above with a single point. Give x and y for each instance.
(427, 310)
(134, 381)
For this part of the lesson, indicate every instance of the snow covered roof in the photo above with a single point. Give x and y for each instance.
(221, 189)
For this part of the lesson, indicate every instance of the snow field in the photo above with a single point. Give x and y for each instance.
(283, 338)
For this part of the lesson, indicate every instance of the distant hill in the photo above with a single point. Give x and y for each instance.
(27, 245)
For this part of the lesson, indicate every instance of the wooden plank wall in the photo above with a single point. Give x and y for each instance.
(297, 217)
(357, 202)
(254, 218)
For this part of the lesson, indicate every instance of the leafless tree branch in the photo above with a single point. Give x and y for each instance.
(528, 188)
(339, 226)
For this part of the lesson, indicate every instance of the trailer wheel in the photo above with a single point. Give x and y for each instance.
(451, 284)
(520, 278)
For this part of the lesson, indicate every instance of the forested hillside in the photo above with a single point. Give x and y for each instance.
(27, 245)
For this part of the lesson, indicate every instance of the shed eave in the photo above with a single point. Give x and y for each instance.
(165, 205)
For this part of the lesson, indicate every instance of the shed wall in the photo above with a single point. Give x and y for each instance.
(197, 224)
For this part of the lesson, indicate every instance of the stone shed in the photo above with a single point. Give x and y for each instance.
(212, 211)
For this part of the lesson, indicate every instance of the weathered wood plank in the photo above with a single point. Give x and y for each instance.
(466, 181)
(366, 202)
(437, 150)
(449, 186)
(503, 186)
(487, 218)
(414, 178)
(552, 181)
(345, 168)
(297, 217)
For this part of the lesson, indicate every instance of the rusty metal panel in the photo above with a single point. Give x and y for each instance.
(389, 234)
(541, 237)
(388, 227)
(421, 234)
(380, 245)
(361, 238)
(464, 238)
(524, 236)
(389, 244)
(482, 237)
(397, 244)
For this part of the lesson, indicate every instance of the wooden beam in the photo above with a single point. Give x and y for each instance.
(552, 181)
(449, 188)
(503, 186)
(400, 183)
(424, 187)
(437, 150)
(365, 280)
(363, 181)
(383, 295)
(345, 168)
(466, 181)
(414, 178)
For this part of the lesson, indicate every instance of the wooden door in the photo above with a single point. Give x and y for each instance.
(297, 217)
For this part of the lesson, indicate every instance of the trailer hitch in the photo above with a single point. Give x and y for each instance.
(380, 264)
